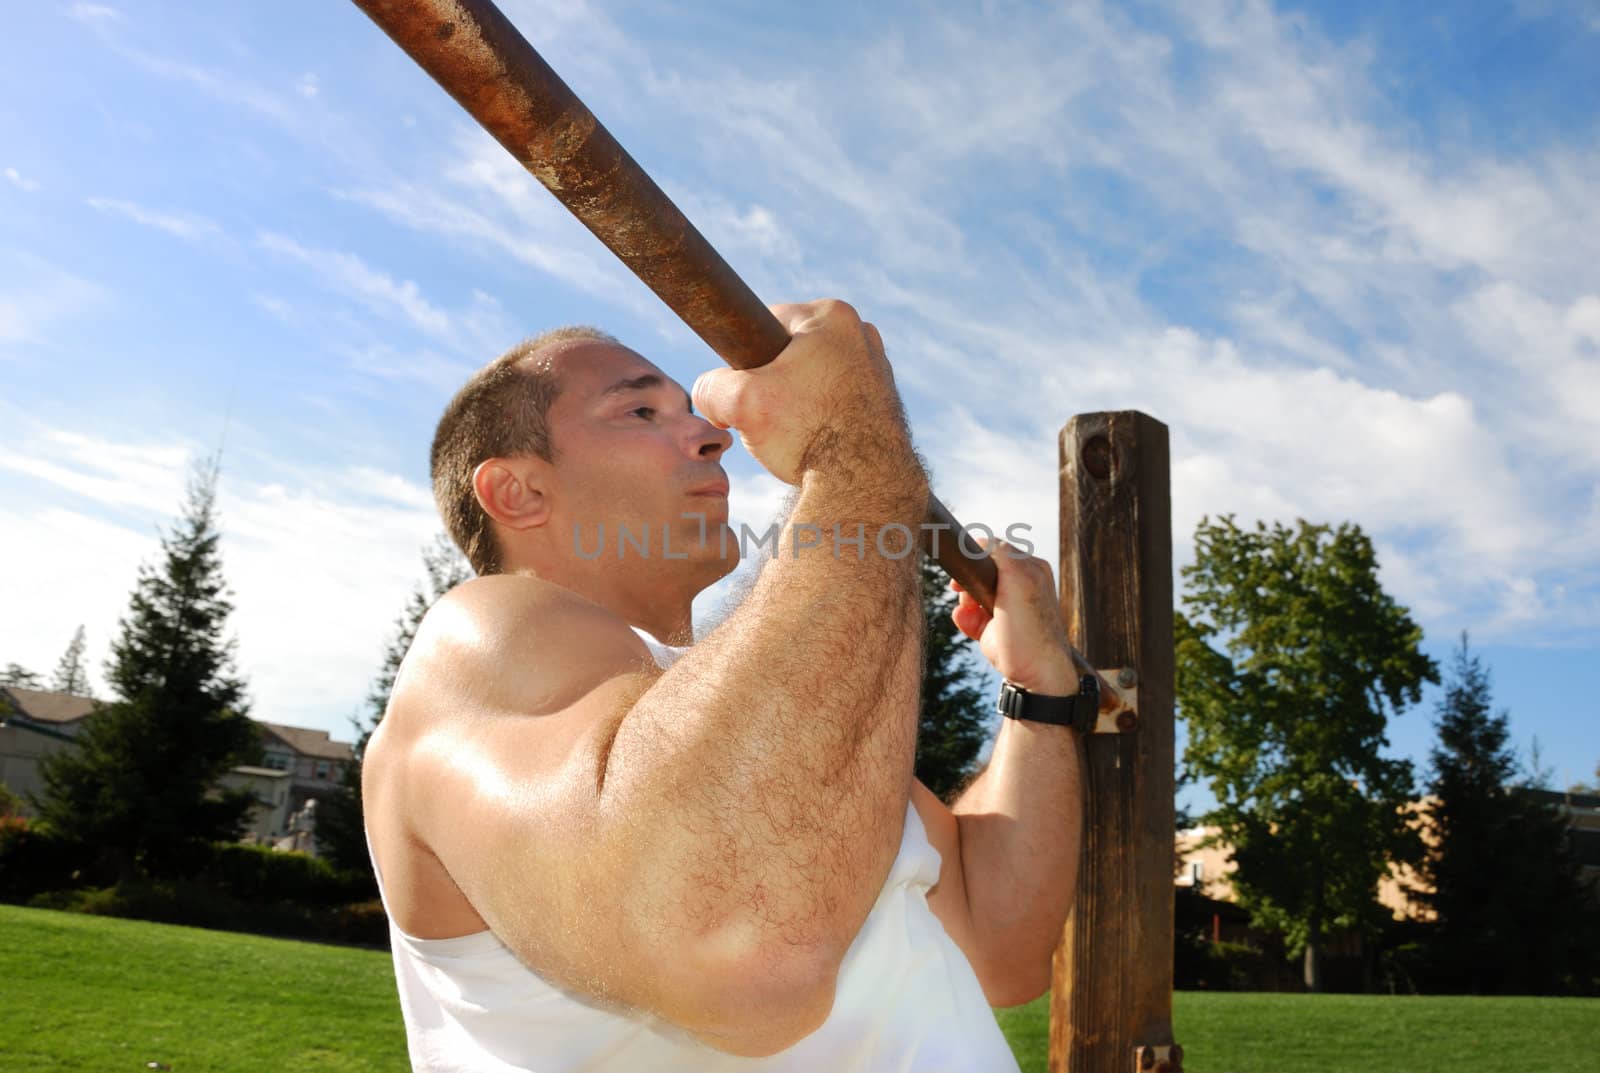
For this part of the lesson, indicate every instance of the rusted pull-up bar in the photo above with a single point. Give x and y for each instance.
(474, 52)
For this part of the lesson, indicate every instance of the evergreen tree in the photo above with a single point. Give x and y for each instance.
(1290, 660)
(954, 719)
(15, 674)
(341, 826)
(71, 675)
(140, 788)
(1510, 916)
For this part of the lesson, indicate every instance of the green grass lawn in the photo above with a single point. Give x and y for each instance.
(92, 993)
(102, 995)
(1267, 1033)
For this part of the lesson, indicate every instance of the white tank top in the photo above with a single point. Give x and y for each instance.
(907, 1000)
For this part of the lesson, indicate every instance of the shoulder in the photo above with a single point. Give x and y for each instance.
(517, 642)
(490, 612)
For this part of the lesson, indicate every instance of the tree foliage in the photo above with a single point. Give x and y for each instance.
(1291, 659)
(72, 674)
(341, 824)
(954, 718)
(1510, 915)
(15, 674)
(141, 785)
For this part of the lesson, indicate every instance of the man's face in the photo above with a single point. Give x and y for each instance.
(631, 456)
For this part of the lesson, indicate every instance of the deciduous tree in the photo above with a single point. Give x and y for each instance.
(1291, 660)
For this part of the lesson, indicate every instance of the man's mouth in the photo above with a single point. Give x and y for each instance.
(712, 488)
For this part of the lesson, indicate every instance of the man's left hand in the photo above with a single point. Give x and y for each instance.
(1025, 639)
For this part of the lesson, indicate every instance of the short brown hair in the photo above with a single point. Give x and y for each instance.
(501, 412)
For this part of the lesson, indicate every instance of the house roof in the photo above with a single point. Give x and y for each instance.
(46, 707)
(1574, 799)
(60, 709)
(260, 772)
(310, 742)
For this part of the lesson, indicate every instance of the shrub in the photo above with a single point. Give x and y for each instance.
(360, 923)
(256, 873)
(11, 806)
(203, 906)
(32, 860)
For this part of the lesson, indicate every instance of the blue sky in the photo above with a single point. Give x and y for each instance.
(1347, 252)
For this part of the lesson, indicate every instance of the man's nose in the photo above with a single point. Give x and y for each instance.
(707, 440)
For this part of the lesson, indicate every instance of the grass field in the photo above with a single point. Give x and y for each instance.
(1268, 1033)
(94, 994)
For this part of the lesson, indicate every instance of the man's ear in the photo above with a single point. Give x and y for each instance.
(512, 491)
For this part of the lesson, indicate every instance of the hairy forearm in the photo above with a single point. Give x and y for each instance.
(1021, 831)
(764, 777)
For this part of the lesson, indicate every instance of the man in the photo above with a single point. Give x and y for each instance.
(599, 853)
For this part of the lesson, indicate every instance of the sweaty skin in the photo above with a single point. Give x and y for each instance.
(704, 843)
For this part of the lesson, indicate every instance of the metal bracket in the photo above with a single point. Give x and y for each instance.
(1163, 1058)
(1119, 707)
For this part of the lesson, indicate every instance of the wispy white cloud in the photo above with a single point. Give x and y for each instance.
(144, 476)
(442, 374)
(109, 25)
(68, 567)
(90, 14)
(39, 294)
(355, 276)
(187, 226)
(1580, 13)
(484, 199)
(20, 181)
(280, 309)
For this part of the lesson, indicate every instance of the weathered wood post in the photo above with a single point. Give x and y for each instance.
(1111, 1005)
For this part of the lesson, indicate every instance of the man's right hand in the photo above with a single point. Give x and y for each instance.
(827, 401)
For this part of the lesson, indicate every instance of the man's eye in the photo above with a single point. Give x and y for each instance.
(646, 412)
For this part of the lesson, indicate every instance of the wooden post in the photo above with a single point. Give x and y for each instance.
(1111, 1005)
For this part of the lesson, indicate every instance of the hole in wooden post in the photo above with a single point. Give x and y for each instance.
(1098, 457)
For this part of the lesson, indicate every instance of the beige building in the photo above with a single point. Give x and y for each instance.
(35, 724)
(297, 768)
(1582, 812)
(1209, 866)
(1205, 863)
(313, 761)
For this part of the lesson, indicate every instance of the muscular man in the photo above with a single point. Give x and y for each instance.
(602, 853)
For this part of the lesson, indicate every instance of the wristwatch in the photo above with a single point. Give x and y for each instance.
(1079, 711)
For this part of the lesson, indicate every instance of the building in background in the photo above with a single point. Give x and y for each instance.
(34, 724)
(297, 767)
(1205, 862)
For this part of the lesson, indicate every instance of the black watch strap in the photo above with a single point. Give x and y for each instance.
(1079, 711)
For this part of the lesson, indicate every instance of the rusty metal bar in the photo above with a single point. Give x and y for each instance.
(473, 51)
